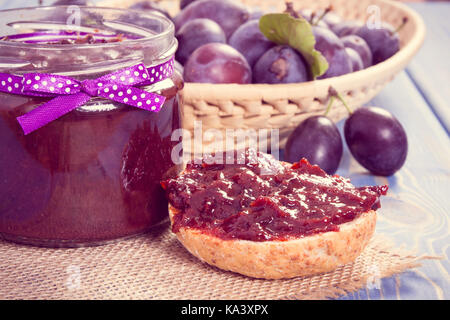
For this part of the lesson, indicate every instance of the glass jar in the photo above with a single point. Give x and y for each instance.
(93, 175)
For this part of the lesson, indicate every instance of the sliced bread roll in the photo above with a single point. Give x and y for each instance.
(304, 256)
(279, 236)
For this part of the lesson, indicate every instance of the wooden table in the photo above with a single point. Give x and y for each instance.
(416, 211)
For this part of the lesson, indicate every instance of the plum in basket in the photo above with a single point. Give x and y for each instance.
(217, 63)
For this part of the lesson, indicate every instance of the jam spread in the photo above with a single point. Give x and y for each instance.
(258, 198)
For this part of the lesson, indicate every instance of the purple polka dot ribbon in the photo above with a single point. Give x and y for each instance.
(69, 94)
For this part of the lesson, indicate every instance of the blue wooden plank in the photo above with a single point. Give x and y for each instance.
(8, 4)
(430, 69)
(415, 211)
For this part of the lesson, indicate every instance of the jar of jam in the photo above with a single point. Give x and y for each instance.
(92, 175)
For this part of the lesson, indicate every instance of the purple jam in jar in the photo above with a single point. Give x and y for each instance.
(93, 175)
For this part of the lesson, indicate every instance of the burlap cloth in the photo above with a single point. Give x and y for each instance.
(156, 266)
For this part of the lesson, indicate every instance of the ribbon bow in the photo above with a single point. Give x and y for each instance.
(69, 94)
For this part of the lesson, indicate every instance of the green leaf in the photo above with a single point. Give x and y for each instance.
(283, 29)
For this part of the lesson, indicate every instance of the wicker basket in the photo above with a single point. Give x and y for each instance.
(284, 106)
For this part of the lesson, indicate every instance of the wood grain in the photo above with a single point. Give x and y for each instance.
(415, 212)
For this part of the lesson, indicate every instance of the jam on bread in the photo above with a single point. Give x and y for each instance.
(258, 198)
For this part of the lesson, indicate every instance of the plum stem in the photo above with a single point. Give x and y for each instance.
(324, 13)
(330, 103)
(311, 18)
(334, 93)
(290, 10)
(400, 27)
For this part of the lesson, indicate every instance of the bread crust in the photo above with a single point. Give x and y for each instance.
(304, 256)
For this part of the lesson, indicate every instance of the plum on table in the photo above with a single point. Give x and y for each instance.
(318, 140)
(376, 140)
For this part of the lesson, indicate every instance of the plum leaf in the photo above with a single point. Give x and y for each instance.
(284, 29)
